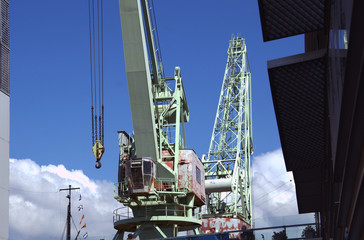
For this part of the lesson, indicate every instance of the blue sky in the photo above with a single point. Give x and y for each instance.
(50, 76)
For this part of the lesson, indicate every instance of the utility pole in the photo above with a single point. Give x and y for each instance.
(69, 210)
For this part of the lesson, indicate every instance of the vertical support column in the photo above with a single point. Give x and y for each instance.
(177, 76)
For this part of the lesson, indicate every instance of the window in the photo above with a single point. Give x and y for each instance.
(198, 175)
(147, 167)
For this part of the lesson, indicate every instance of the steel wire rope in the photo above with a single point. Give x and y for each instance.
(91, 71)
(95, 16)
(74, 224)
(159, 55)
(102, 73)
(64, 230)
(94, 63)
(98, 62)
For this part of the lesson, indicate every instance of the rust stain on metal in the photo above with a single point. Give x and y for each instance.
(223, 224)
(191, 175)
(191, 178)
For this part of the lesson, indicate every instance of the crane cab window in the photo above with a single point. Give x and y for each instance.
(198, 175)
(137, 176)
(147, 167)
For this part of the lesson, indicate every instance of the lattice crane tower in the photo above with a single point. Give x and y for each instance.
(227, 167)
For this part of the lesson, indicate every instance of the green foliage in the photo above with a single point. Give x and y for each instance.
(308, 232)
(280, 235)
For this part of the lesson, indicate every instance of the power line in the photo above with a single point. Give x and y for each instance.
(271, 191)
(273, 196)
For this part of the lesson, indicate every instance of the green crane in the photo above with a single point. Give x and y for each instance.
(160, 181)
(227, 166)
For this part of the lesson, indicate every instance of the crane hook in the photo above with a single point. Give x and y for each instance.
(98, 164)
(98, 150)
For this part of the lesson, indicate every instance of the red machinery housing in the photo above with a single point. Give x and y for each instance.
(191, 177)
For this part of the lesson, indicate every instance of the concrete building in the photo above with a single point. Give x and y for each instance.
(318, 99)
(4, 119)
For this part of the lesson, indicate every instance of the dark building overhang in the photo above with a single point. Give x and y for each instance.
(286, 18)
(319, 100)
(298, 86)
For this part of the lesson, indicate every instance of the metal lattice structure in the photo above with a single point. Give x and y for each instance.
(227, 167)
(4, 48)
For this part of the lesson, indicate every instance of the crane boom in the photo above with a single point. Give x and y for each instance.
(139, 78)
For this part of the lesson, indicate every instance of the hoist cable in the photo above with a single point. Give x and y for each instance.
(97, 77)
(93, 48)
(102, 69)
(98, 64)
(92, 97)
(98, 52)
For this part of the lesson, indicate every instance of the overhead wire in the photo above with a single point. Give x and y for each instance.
(285, 190)
(261, 196)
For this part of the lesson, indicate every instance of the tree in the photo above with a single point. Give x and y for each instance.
(280, 235)
(308, 232)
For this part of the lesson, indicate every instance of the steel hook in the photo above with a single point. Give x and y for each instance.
(98, 164)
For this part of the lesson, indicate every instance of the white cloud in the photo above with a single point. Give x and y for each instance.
(274, 194)
(37, 210)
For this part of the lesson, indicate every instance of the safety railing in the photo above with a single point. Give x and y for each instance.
(120, 189)
(150, 211)
(122, 213)
(290, 232)
(165, 184)
(160, 184)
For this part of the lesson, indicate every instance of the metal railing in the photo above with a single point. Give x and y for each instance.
(264, 233)
(150, 211)
(122, 213)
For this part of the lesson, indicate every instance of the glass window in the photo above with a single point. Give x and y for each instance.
(198, 175)
(147, 167)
